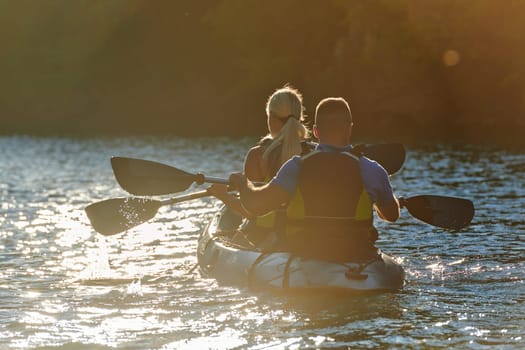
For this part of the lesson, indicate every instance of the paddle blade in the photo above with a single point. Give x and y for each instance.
(446, 212)
(147, 178)
(117, 215)
(391, 156)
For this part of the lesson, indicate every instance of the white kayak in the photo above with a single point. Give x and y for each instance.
(232, 263)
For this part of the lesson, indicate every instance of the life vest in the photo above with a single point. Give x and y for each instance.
(275, 219)
(330, 217)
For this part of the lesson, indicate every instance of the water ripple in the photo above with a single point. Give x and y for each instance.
(65, 286)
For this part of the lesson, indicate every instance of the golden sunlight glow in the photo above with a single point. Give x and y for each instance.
(451, 58)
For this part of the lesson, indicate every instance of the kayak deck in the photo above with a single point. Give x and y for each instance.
(222, 256)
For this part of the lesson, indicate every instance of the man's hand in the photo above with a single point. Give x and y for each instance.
(238, 182)
(222, 192)
(218, 190)
(389, 212)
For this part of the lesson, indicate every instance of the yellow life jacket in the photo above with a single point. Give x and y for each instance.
(330, 217)
(270, 220)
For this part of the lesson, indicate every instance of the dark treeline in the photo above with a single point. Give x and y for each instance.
(425, 70)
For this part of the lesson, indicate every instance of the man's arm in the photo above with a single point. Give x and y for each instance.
(259, 200)
(389, 212)
(378, 186)
(220, 191)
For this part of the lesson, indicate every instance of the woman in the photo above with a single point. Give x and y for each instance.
(286, 138)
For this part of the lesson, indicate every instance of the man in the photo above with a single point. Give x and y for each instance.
(329, 193)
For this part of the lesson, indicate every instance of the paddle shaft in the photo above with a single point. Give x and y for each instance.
(117, 215)
(186, 197)
(216, 180)
(149, 178)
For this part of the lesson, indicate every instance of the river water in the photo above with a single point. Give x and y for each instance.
(64, 286)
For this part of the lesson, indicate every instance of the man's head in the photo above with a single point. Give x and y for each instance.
(333, 121)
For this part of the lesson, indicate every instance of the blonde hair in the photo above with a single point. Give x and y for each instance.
(286, 103)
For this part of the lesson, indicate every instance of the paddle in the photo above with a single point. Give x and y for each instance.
(445, 212)
(391, 156)
(117, 215)
(148, 178)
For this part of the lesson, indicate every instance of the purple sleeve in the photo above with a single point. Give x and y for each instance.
(288, 176)
(376, 182)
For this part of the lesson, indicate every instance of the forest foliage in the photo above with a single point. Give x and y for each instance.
(423, 70)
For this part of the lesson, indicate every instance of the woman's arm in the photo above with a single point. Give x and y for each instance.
(253, 164)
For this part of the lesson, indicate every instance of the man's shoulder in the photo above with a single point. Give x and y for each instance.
(293, 162)
(371, 166)
(287, 176)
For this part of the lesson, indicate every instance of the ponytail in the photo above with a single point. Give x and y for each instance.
(286, 104)
(290, 137)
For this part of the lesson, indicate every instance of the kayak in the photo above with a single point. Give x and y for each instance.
(221, 256)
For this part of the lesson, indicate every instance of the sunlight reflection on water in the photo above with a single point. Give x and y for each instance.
(61, 284)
